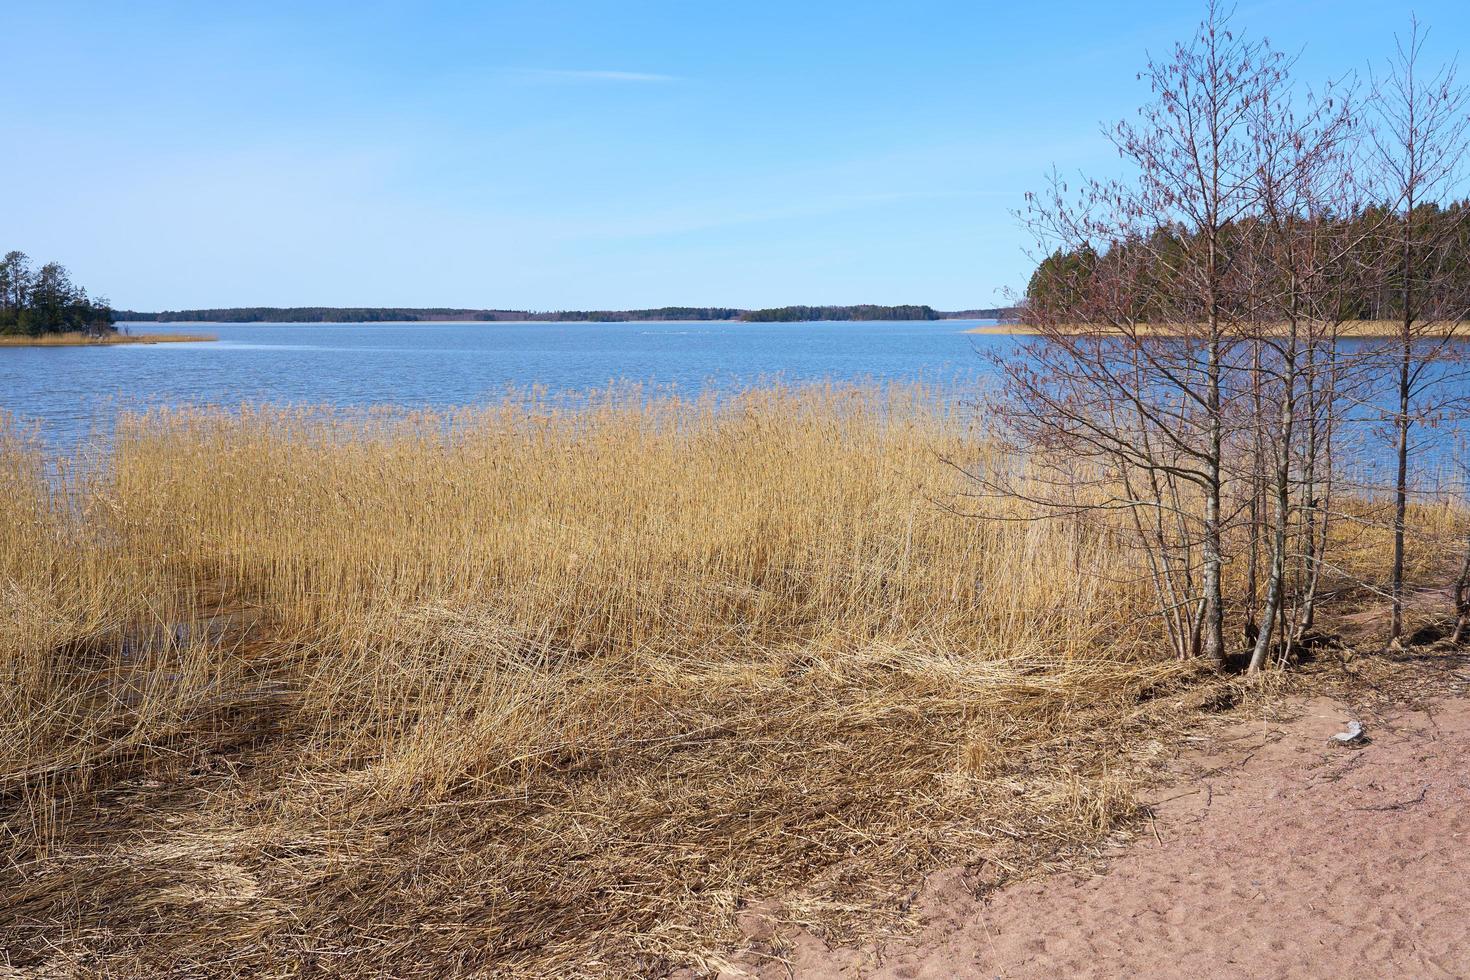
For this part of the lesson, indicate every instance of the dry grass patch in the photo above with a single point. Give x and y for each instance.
(78, 339)
(541, 690)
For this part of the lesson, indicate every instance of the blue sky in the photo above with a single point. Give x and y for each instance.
(567, 155)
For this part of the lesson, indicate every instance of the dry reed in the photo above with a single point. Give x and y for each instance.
(537, 689)
(78, 339)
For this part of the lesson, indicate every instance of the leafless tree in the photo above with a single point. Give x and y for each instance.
(1419, 138)
(1192, 380)
(1143, 393)
(1297, 255)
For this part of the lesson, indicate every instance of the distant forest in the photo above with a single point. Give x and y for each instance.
(790, 314)
(45, 300)
(336, 314)
(378, 314)
(1136, 276)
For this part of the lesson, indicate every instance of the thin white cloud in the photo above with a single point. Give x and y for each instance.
(585, 75)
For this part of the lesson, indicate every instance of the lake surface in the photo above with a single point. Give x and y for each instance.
(70, 392)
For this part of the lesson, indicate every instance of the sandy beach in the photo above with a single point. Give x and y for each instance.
(1274, 852)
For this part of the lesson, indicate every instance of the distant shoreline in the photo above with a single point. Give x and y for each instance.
(388, 314)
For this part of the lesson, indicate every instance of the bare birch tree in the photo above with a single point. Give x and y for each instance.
(1297, 256)
(1143, 391)
(1419, 139)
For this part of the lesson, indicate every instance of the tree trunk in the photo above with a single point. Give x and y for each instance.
(1321, 502)
(1401, 484)
(1281, 487)
(1309, 493)
(1401, 493)
(1214, 608)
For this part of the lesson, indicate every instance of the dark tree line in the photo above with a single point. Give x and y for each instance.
(45, 300)
(1372, 237)
(660, 313)
(416, 314)
(380, 314)
(295, 314)
(795, 314)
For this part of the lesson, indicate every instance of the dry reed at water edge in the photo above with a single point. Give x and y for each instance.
(537, 689)
(77, 339)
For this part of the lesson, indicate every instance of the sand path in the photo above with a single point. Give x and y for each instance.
(1275, 854)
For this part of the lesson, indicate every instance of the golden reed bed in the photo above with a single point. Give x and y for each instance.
(88, 340)
(538, 690)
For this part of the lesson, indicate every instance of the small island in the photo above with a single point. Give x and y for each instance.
(44, 308)
(797, 314)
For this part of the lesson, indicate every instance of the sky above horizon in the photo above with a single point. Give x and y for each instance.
(551, 154)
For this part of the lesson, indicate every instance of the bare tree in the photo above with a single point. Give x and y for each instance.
(1143, 394)
(1419, 142)
(1297, 255)
(1192, 380)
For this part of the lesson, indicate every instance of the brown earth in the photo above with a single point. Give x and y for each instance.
(1271, 852)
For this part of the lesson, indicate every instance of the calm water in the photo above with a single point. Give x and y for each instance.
(70, 390)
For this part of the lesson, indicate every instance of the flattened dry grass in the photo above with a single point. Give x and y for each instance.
(539, 690)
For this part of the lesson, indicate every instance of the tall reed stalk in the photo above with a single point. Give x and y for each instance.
(536, 687)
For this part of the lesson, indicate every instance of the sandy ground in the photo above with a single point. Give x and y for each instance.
(1273, 854)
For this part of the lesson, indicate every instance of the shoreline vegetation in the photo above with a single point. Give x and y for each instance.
(622, 683)
(78, 339)
(38, 303)
(1349, 330)
(585, 681)
(323, 314)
